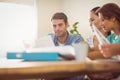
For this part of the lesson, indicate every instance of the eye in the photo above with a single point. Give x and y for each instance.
(92, 20)
(54, 26)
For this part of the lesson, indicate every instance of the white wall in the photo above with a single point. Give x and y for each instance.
(46, 8)
(76, 10)
(17, 23)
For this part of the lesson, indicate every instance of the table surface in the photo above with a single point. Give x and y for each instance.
(19, 69)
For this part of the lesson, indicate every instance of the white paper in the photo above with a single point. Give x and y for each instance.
(64, 50)
(45, 41)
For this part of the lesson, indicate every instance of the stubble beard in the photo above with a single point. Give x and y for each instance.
(62, 35)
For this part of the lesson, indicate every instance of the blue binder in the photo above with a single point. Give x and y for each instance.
(34, 56)
(14, 55)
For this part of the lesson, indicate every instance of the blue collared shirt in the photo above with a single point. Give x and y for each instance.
(72, 39)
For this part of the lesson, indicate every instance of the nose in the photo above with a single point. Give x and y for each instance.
(90, 23)
(56, 28)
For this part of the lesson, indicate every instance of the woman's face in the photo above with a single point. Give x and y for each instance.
(106, 24)
(94, 20)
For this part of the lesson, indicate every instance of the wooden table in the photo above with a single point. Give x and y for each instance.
(18, 69)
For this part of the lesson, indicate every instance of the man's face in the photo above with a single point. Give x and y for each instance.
(60, 27)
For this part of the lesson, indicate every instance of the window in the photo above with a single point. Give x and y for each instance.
(17, 23)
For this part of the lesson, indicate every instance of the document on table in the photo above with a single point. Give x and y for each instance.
(46, 45)
(45, 41)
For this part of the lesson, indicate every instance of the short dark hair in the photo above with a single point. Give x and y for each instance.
(60, 15)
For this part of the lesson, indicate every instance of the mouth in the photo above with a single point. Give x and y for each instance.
(104, 28)
(57, 33)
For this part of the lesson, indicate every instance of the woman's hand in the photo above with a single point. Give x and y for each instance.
(109, 50)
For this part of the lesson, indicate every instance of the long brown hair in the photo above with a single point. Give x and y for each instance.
(109, 11)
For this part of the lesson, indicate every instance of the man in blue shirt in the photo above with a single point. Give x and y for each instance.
(61, 36)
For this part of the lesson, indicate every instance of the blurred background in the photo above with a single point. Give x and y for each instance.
(27, 20)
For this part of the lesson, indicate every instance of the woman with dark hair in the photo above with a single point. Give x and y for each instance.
(109, 15)
(94, 20)
(94, 53)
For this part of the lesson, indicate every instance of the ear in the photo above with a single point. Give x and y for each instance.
(67, 24)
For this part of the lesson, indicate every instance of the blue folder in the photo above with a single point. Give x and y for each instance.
(33, 56)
